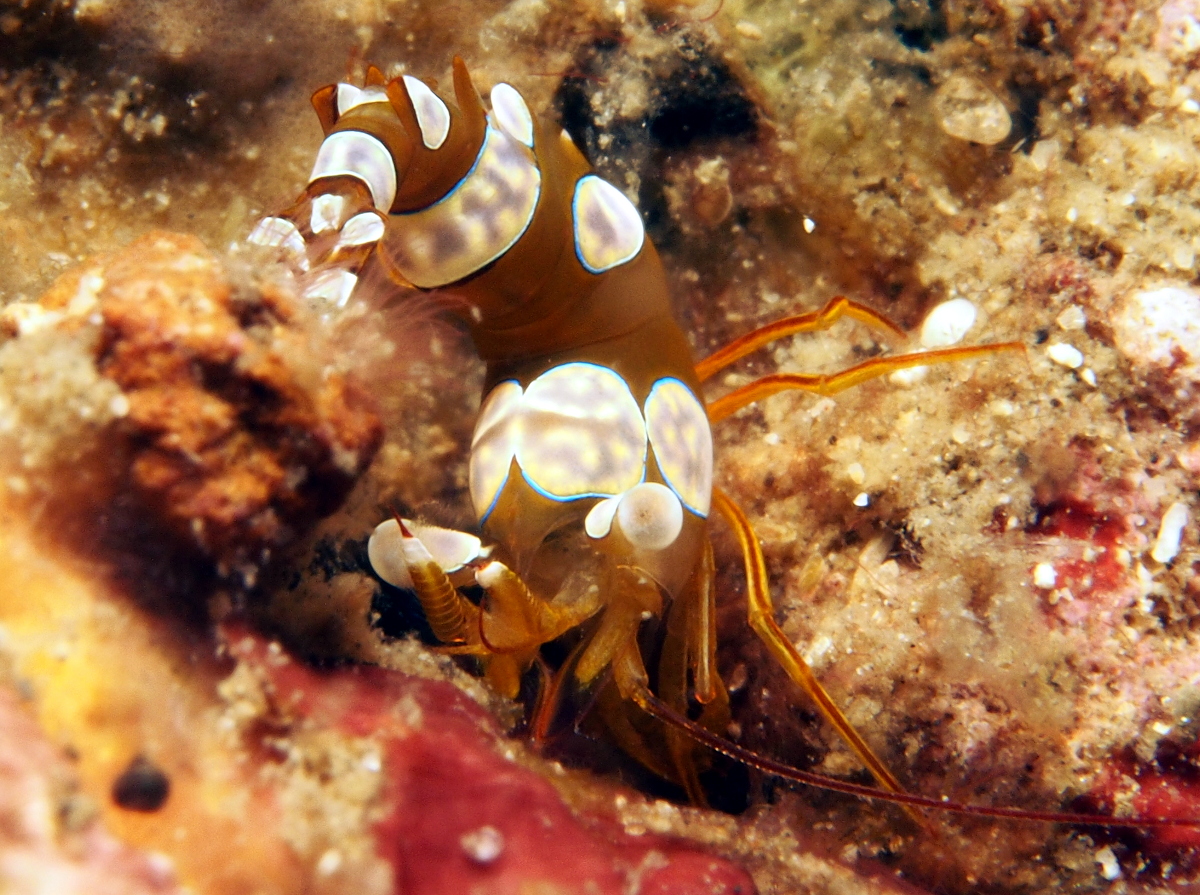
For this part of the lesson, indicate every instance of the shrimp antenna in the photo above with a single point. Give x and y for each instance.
(664, 713)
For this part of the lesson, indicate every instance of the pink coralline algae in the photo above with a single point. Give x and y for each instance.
(1178, 29)
(456, 814)
(1091, 589)
(1158, 330)
(1095, 586)
(1169, 790)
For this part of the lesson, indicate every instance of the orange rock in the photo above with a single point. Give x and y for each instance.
(239, 437)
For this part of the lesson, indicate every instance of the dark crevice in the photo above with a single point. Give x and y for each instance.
(920, 23)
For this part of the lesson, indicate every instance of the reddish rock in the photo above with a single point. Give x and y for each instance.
(1168, 792)
(457, 815)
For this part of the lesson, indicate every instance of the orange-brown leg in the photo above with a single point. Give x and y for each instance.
(835, 309)
(832, 383)
(702, 633)
(762, 620)
(672, 679)
(451, 616)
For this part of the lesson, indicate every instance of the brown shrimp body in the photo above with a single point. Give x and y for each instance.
(593, 426)
(592, 415)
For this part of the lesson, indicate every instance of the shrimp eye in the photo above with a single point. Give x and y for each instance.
(649, 515)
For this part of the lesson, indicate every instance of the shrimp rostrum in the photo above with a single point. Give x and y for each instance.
(591, 464)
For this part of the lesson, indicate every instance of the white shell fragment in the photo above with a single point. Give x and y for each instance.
(1065, 354)
(450, 549)
(1071, 318)
(432, 115)
(677, 424)
(281, 232)
(948, 323)
(1045, 576)
(1110, 867)
(327, 212)
(1161, 328)
(359, 155)
(608, 228)
(1170, 532)
(944, 326)
(968, 110)
(650, 516)
(512, 114)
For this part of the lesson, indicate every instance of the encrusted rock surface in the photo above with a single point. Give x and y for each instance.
(213, 399)
(450, 811)
(970, 560)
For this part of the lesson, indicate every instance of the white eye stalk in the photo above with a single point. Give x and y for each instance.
(649, 515)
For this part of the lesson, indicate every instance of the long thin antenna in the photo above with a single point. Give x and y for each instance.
(663, 712)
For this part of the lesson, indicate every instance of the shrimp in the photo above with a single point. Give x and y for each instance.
(591, 464)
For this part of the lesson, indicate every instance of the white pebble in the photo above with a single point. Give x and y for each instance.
(1044, 576)
(1161, 327)
(371, 763)
(1044, 153)
(862, 499)
(968, 110)
(1170, 531)
(749, 29)
(329, 862)
(817, 650)
(908, 377)
(1065, 354)
(809, 225)
(1109, 868)
(1072, 317)
(118, 406)
(484, 845)
(948, 323)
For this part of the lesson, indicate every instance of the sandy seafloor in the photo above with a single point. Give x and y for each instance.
(1036, 157)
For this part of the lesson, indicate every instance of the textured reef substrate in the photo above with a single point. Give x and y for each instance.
(992, 566)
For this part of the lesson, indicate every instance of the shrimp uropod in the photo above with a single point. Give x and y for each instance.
(594, 429)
